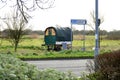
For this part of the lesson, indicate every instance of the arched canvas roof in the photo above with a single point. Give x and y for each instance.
(63, 34)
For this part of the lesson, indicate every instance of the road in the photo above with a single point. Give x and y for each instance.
(77, 66)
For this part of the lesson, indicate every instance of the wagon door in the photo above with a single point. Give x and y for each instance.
(50, 36)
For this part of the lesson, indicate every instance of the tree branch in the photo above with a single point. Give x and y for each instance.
(23, 7)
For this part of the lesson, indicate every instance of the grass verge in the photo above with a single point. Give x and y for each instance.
(68, 54)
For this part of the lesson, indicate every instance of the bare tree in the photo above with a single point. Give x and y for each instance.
(16, 26)
(92, 22)
(23, 6)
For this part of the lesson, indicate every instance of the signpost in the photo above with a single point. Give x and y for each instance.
(79, 22)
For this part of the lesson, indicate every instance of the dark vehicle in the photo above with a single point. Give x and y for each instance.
(57, 38)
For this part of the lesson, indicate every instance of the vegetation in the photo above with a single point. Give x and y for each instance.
(57, 55)
(16, 27)
(113, 35)
(108, 67)
(26, 48)
(75, 32)
(12, 68)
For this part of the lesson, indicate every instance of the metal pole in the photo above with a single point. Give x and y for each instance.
(84, 40)
(71, 36)
(96, 30)
(96, 35)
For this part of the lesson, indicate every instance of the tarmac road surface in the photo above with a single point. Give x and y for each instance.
(76, 66)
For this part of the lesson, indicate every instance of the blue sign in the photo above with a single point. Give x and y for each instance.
(78, 21)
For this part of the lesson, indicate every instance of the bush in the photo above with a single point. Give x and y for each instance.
(12, 68)
(109, 65)
(93, 76)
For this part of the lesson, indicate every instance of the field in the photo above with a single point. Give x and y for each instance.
(33, 46)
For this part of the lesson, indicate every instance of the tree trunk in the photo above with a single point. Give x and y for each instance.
(16, 45)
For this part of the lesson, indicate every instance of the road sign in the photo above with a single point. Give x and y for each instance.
(78, 21)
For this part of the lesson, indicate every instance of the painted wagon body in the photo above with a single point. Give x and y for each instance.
(55, 37)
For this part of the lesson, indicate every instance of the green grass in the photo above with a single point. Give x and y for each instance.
(68, 54)
(31, 48)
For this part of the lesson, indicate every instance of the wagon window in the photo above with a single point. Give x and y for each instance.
(53, 32)
(50, 32)
(46, 33)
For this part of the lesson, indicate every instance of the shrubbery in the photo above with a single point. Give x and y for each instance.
(12, 68)
(108, 67)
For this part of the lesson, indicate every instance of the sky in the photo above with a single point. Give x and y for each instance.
(64, 10)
